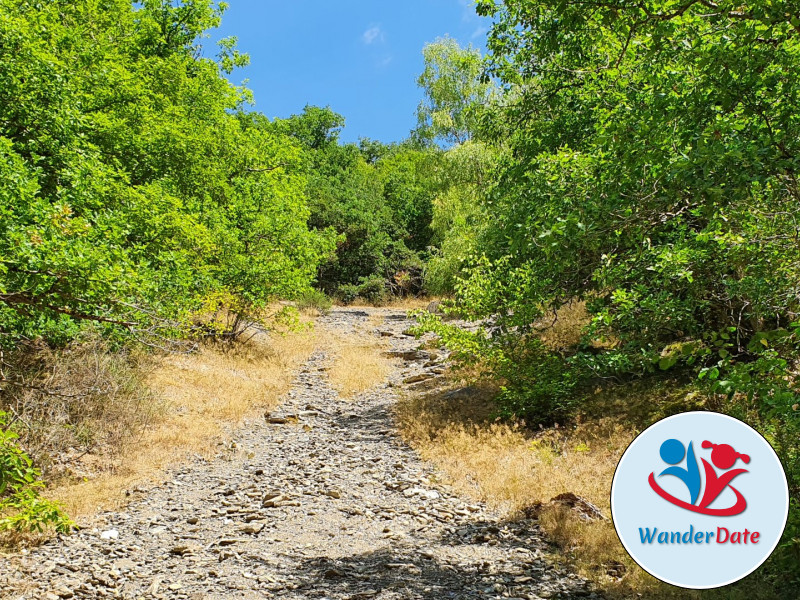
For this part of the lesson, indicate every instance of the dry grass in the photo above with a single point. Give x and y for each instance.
(563, 329)
(205, 393)
(459, 435)
(519, 470)
(358, 363)
(82, 396)
(515, 469)
(407, 303)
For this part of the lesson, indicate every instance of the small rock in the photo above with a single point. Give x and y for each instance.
(408, 355)
(463, 393)
(585, 509)
(252, 528)
(615, 569)
(429, 494)
(228, 541)
(435, 307)
(181, 550)
(272, 500)
(111, 534)
(153, 589)
(281, 419)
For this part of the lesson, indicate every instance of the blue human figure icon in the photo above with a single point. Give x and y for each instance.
(672, 453)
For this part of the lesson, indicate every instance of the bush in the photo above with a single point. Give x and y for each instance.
(88, 396)
(21, 506)
(314, 299)
(372, 290)
(120, 221)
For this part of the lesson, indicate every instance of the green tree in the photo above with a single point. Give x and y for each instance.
(315, 129)
(409, 178)
(459, 215)
(133, 191)
(455, 91)
(130, 190)
(376, 197)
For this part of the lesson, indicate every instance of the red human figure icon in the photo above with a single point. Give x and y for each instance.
(724, 457)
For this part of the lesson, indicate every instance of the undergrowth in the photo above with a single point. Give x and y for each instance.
(22, 509)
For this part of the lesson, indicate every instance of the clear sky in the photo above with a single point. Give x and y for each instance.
(361, 57)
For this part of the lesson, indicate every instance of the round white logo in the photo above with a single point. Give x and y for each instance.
(699, 500)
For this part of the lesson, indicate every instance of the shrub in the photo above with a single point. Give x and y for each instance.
(373, 290)
(87, 396)
(314, 299)
(21, 506)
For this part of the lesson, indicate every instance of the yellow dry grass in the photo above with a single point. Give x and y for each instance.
(563, 329)
(204, 393)
(357, 363)
(405, 303)
(515, 469)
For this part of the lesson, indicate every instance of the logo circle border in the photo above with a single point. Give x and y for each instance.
(785, 487)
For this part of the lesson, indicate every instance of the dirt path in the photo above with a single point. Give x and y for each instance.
(330, 504)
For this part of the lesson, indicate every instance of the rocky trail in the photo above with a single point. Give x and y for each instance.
(321, 499)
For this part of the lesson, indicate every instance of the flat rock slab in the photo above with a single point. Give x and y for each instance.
(342, 509)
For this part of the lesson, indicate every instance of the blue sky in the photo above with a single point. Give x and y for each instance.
(361, 57)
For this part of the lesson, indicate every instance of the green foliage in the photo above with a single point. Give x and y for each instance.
(455, 92)
(316, 128)
(538, 385)
(409, 178)
(134, 191)
(376, 199)
(457, 102)
(649, 167)
(346, 196)
(129, 188)
(21, 506)
(459, 215)
(370, 289)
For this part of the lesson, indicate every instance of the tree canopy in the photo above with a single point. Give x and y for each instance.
(130, 191)
(454, 91)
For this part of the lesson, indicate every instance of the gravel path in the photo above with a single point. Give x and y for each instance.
(328, 504)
